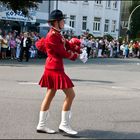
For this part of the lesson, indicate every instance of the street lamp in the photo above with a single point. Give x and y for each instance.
(131, 16)
(129, 20)
(56, 4)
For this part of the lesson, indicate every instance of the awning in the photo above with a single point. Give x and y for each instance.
(19, 16)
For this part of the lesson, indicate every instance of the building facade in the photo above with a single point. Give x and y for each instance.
(98, 17)
(9, 20)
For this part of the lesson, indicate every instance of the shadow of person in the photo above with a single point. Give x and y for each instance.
(101, 134)
(94, 81)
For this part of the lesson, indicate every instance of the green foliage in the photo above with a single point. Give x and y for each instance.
(99, 37)
(136, 39)
(108, 37)
(121, 39)
(22, 5)
(135, 19)
(89, 35)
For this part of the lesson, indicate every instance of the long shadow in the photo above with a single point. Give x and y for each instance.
(99, 61)
(15, 63)
(100, 134)
(105, 61)
(94, 81)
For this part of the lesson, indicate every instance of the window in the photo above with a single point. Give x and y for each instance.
(115, 3)
(106, 27)
(85, 0)
(96, 24)
(65, 20)
(84, 23)
(72, 21)
(108, 3)
(98, 2)
(113, 26)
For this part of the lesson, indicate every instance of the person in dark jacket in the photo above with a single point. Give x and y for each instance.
(25, 46)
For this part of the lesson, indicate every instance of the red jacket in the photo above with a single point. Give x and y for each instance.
(58, 48)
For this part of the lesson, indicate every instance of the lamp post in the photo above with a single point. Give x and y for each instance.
(49, 7)
(56, 4)
(129, 20)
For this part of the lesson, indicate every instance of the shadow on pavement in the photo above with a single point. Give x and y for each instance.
(94, 81)
(99, 134)
(98, 61)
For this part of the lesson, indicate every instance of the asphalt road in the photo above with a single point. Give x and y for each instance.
(106, 106)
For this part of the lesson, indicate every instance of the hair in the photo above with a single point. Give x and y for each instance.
(51, 23)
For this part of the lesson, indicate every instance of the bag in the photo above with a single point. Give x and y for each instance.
(40, 45)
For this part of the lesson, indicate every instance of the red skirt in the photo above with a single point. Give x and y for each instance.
(55, 79)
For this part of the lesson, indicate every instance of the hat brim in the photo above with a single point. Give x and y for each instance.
(51, 20)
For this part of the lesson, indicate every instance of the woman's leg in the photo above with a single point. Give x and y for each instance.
(47, 100)
(66, 113)
(70, 94)
(44, 113)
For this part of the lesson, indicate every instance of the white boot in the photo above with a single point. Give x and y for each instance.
(64, 125)
(41, 127)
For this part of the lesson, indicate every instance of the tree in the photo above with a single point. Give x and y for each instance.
(22, 5)
(135, 19)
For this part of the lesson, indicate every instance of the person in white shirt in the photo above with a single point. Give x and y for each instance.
(25, 46)
(18, 42)
(0, 44)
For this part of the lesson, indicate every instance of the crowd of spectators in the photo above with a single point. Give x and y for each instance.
(10, 46)
(105, 48)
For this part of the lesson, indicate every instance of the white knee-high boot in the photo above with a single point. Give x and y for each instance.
(41, 127)
(65, 123)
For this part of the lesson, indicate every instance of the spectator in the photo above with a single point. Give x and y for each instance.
(4, 46)
(0, 42)
(32, 52)
(18, 42)
(25, 46)
(13, 48)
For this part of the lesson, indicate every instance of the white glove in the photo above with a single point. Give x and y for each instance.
(83, 56)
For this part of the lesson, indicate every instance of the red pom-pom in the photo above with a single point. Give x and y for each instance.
(75, 41)
(40, 45)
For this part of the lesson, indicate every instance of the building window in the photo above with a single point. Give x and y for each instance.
(113, 29)
(96, 24)
(124, 24)
(98, 2)
(84, 23)
(72, 21)
(108, 3)
(65, 20)
(106, 27)
(85, 0)
(115, 4)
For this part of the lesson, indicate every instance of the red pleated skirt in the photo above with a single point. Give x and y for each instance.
(55, 79)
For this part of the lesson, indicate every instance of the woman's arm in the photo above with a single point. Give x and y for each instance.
(56, 44)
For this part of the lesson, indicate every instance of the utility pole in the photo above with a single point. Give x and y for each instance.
(56, 4)
(49, 8)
